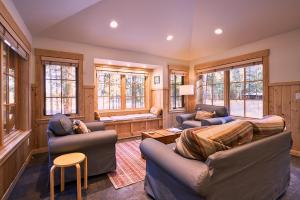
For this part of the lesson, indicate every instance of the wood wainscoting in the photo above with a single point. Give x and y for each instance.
(283, 102)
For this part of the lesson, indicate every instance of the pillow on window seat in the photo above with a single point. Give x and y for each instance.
(199, 143)
(156, 111)
(201, 114)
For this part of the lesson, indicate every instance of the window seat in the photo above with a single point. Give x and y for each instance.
(132, 125)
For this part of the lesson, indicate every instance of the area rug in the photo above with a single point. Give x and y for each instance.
(131, 167)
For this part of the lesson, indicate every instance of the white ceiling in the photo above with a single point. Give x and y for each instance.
(144, 24)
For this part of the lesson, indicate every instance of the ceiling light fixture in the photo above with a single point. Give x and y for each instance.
(114, 24)
(218, 31)
(170, 37)
(109, 62)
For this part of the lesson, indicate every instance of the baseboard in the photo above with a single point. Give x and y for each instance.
(295, 153)
(40, 150)
(14, 182)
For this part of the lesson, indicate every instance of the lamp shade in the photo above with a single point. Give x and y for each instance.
(186, 90)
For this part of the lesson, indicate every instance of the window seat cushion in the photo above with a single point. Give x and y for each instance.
(128, 117)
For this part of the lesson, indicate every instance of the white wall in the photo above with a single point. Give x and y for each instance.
(284, 55)
(91, 52)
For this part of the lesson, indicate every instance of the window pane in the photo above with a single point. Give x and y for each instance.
(11, 89)
(218, 94)
(218, 77)
(139, 102)
(4, 119)
(129, 102)
(53, 72)
(53, 106)
(254, 73)
(53, 88)
(254, 99)
(5, 89)
(69, 89)
(237, 75)
(69, 105)
(179, 102)
(69, 72)
(236, 99)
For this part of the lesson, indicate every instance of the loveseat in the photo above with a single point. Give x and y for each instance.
(188, 120)
(259, 170)
(98, 146)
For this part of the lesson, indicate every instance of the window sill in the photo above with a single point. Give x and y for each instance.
(11, 143)
(179, 110)
(123, 112)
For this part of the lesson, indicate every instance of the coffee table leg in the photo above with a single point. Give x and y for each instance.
(62, 179)
(85, 173)
(52, 182)
(78, 174)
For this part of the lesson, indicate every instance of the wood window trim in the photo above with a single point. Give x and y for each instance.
(263, 54)
(40, 83)
(173, 68)
(123, 109)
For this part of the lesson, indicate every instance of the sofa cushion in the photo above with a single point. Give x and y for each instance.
(199, 143)
(221, 111)
(202, 114)
(267, 126)
(217, 121)
(79, 127)
(191, 124)
(96, 115)
(60, 125)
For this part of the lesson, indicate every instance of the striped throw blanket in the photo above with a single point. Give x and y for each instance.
(199, 143)
(267, 126)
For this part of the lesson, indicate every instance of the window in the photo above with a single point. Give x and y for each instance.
(60, 88)
(246, 91)
(9, 68)
(176, 100)
(210, 88)
(118, 90)
(135, 91)
(109, 90)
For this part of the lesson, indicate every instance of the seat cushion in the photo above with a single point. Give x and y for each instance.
(216, 121)
(60, 125)
(221, 111)
(191, 124)
(199, 143)
(202, 114)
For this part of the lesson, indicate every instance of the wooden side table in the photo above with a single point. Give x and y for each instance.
(68, 160)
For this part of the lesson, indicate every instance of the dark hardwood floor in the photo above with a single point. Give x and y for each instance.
(33, 184)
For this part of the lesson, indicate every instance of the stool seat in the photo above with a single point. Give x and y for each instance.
(69, 159)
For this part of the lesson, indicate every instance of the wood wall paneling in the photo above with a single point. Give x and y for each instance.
(282, 102)
(89, 102)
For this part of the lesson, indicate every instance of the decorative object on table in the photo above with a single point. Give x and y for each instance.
(156, 80)
(174, 130)
(69, 160)
(131, 167)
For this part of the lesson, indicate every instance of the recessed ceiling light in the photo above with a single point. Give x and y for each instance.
(109, 62)
(128, 65)
(114, 24)
(170, 37)
(218, 31)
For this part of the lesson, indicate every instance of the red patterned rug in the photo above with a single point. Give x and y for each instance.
(131, 167)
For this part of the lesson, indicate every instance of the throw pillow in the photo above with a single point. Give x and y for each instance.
(60, 125)
(156, 111)
(267, 126)
(96, 115)
(200, 143)
(79, 127)
(201, 114)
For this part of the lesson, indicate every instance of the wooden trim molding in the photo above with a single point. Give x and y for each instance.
(249, 56)
(285, 83)
(13, 26)
(295, 153)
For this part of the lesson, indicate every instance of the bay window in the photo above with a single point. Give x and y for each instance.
(176, 100)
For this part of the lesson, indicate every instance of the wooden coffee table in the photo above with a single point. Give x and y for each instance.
(162, 135)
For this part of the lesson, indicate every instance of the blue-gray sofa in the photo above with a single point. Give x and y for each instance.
(188, 120)
(259, 170)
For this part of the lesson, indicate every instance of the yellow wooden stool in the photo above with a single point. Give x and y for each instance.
(68, 160)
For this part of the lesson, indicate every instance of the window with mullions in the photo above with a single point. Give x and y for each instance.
(210, 88)
(246, 91)
(176, 100)
(60, 88)
(109, 90)
(9, 75)
(135, 91)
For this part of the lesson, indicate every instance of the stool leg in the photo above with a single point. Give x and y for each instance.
(52, 182)
(78, 173)
(85, 173)
(62, 179)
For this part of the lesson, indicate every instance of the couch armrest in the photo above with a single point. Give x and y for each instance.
(184, 117)
(77, 142)
(95, 126)
(192, 173)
